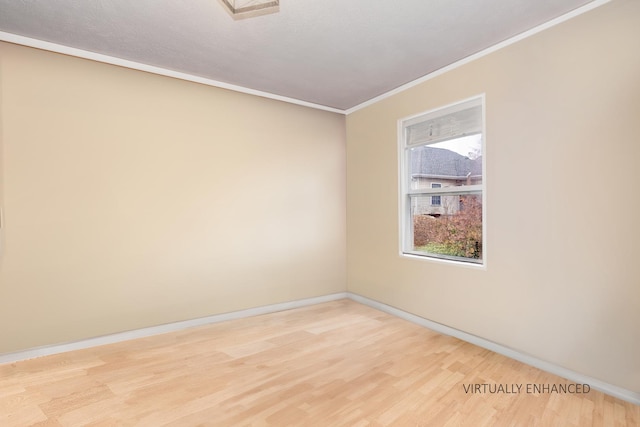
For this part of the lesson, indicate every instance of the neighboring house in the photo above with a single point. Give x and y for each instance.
(439, 168)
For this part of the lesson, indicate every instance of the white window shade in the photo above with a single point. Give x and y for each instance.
(450, 125)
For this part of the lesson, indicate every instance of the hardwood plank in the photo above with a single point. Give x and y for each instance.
(334, 364)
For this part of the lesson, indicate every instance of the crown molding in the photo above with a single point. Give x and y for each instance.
(112, 60)
(79, 53)
(485, 52)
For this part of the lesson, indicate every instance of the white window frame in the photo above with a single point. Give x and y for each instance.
(405, 193)
(439, 185)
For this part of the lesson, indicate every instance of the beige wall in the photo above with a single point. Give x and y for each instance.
(133, 200)
(562, 281)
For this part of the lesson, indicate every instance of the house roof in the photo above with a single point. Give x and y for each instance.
(441, 163)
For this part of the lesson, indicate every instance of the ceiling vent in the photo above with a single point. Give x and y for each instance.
(240, 9)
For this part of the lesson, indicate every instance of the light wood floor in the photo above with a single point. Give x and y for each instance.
(334, 364)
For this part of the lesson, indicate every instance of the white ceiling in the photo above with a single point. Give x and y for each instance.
(334, 53)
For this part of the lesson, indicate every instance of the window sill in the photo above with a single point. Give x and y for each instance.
(421, 257)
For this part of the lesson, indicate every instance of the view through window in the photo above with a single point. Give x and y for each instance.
(442, 183)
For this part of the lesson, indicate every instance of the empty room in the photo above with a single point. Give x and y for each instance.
(320, 213)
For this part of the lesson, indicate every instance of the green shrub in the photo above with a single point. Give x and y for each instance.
(459, 234)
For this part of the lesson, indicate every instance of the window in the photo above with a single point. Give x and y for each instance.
(435, 200)
(441, 183)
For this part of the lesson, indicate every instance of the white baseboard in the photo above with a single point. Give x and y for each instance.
(576, 377)
(162, 329)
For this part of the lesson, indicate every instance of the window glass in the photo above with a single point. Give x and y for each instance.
(442, 188)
